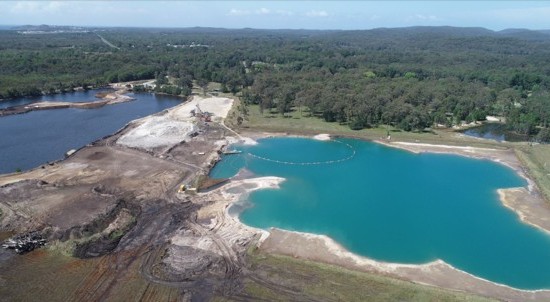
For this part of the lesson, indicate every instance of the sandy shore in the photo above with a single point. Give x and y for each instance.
(112, 98)
(438, 273)
(234, 194)
(526, 202)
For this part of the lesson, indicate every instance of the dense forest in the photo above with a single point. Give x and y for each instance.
(411, 78)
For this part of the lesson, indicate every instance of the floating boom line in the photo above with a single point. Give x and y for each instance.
(312, 162)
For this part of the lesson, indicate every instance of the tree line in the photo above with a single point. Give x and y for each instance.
(411, 78)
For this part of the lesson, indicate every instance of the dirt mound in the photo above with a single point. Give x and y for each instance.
(157, 132)
(187, 263)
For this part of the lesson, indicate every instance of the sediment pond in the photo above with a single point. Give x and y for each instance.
(395, 206)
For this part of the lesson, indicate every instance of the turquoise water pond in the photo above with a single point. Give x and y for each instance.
(395, 206)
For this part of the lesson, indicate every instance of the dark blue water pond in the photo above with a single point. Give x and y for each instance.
(72, 97)
(34, 138)
(495, 131)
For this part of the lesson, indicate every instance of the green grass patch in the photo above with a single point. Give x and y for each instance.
(323, 282)
(536, 159)
(302, 122)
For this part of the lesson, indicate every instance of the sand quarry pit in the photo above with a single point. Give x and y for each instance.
(175, 244)
(175, 126)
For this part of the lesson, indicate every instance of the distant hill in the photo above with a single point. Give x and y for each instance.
(440, 30)
(400, 32)
(523, 33)
(467, 32)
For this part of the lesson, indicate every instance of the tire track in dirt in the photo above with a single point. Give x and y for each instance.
(113, 269)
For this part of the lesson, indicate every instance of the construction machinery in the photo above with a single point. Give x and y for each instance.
(201, 115)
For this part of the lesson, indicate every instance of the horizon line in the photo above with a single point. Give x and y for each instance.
(289, 29)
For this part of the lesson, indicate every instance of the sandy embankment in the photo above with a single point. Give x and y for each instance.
(526, 202)
(231, 195)
(112, 98)
(438, 273)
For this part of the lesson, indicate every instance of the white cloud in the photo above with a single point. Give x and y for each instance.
(423, 17)
(238, 12)
(260, 12)
(317, 13)
(263, 11)
(31, 7)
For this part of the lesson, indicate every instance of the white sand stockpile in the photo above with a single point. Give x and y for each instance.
(218, 107)
(175, 126)
(157, 131)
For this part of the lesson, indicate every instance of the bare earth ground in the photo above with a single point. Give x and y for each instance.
(116, 205)
(118, 200)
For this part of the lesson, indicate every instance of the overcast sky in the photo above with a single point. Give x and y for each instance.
(494, 15)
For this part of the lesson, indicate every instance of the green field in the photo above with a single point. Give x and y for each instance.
(297, 122)
(286, 279)
(536, 159)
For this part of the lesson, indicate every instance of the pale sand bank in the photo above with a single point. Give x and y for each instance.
(438, 273)
(531, 208)
(322, 137)
(113, 98)
(217, 226)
